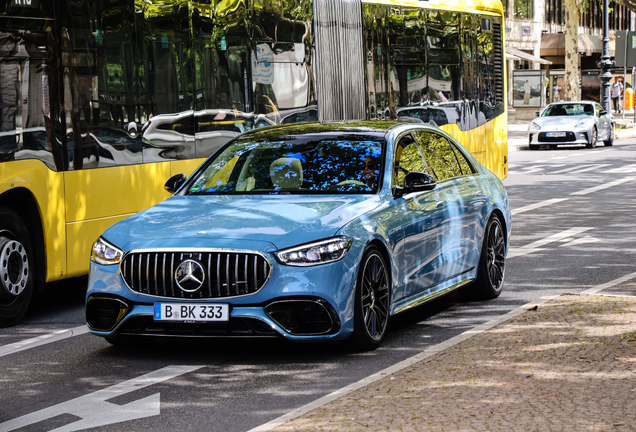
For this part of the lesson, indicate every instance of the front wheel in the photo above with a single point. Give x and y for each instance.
(492, 264)
(533, 146)
(371, 314)
(16, 268)
(593, 138)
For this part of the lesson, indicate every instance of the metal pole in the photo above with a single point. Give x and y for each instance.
(624, 75)
(606, 63)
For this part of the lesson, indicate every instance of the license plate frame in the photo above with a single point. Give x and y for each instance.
(555, 134)
(191, 312)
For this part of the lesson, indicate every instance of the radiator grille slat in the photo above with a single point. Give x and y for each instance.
(228, 274)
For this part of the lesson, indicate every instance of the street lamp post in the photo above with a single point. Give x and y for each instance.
(606, 63)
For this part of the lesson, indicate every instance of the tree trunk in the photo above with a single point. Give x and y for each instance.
(571, 47)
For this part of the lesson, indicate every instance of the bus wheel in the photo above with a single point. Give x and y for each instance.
(16, 268)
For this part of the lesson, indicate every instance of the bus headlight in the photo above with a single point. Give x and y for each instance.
(105, 253)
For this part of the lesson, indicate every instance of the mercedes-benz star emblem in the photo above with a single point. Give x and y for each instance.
(189, 276)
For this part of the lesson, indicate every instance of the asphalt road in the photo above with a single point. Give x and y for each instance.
(573, 229)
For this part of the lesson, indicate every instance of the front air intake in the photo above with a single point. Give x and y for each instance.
(304, 317)
(104, 313)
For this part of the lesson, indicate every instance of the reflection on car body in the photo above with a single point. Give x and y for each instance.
(308, 232)
(571, 123)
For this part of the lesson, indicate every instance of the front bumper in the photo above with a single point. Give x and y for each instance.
(570, 138)
(297, 303)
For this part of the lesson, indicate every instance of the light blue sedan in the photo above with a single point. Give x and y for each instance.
(308, 232)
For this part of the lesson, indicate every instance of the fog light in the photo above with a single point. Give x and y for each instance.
(104, 313)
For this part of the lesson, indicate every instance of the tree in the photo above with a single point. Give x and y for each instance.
(572, 12)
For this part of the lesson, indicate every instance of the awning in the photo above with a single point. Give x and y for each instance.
(553, 44)
(515, 54)
(589, 44)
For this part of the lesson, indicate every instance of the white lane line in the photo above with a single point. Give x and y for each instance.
(609, 284)
(399, 366)
(94, 410)
(578, 168)
(537, 205)
(42, 340)
(593, 167)
(622, 170)
(604, 186)
(536, 246)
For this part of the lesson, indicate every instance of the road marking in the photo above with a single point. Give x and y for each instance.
(609, 284)
(584, 240)
(42, 340)
(604, 186)
(578, 168)
(399, 366)
(622, 170)
(95, 411)
(537, 205)
(536, 246)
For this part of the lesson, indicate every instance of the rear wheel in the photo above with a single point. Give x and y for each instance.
(16, 268)
(492, 264)
(593, 138)
(610, 140)
(371, 313)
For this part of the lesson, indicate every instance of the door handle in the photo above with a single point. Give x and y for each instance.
(439, 204)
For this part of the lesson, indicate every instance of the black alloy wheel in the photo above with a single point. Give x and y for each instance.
(492, 264)
(16, 268)
(371, 301)
(593, 138)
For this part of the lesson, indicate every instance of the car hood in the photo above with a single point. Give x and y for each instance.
(561, 122)
(264, 222)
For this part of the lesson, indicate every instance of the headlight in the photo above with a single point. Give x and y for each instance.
(535, 126)
(321, 252)
(581, 125)
(105, 253)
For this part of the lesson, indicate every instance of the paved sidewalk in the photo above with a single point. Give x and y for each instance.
(569, 365)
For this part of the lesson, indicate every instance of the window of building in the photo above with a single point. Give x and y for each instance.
(523, 9)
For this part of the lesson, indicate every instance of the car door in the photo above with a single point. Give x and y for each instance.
(461, 198)
(422, 218)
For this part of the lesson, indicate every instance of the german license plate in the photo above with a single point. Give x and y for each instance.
(191, 312)
(555, 134)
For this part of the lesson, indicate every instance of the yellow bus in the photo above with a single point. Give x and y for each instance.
(102, 101)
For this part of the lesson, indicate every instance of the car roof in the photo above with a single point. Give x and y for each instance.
(377, 129)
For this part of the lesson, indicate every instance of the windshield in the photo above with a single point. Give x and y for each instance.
(298, 165)
(573, 109)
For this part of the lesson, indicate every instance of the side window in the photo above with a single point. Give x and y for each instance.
(463, 162)
(439, 155)
(407, 159)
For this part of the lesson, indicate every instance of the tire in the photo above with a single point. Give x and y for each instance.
(610, 141)
(492, 264)
(16, 268)
(533, 146)
(592, 143)
(372, 297)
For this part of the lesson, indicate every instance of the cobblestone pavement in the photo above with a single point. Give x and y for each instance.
(569, 365)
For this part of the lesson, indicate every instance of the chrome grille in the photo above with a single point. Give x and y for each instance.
(227, 273)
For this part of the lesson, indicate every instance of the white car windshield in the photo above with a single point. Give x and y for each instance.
(297, 165)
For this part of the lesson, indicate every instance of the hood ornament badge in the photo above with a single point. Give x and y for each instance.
(189, 276)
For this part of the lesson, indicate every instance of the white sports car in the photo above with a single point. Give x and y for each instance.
(571, 123)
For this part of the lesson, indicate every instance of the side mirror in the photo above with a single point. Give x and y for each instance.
(415, 182)
(602, 112)
(537, 113)
(175, 182)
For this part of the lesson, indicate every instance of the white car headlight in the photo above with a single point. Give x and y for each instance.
(105, 253)
(535, 126)
(321, 252)
(581, 125)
